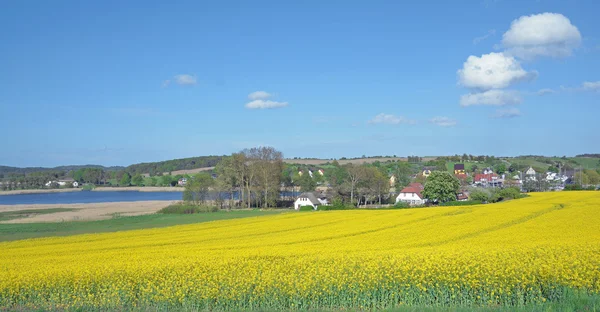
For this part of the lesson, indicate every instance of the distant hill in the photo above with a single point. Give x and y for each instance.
(6, 170)
(167, 166)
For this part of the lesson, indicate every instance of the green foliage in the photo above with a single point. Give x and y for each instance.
(552, 168)
(306, 208)
(167, 180)
(506, 194)
(186, 208)
(441, 186)
(500, 168)
(125, 180)
(150, 181)
(16, 231)
(306, 183)
(137, 180)
(401, 205)
(88, 187)
(480, 195)
(462, 203)
(592, 176)
(175, 164)
(196, 189)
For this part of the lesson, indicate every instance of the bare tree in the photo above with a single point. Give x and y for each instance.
(354, 177)
(266, 165)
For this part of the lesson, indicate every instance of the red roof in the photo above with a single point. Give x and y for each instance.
(416, 185)
(461, 176)
(412, 189)
(488, 177)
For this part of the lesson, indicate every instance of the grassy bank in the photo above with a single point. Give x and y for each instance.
(10, 232)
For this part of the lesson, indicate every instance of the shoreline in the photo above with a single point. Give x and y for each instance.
(97, 189)
(84, 212)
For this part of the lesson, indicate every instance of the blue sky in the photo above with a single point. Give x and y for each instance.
(121, 82)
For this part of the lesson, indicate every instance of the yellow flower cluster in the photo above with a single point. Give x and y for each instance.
(511, 253)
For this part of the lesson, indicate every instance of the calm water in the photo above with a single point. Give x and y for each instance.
(87, 197)
(83, 197)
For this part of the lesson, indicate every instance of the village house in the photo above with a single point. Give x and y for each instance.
(309, 199)
(487, 171)
(427, 171)
(488, 180)
(530, 174)
(462, 196)
(412, 194)
(63, 182)
(392, 181)
(459, 169)
(182, 182)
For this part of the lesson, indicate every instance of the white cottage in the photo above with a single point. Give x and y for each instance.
(412, 195)
(307, 199)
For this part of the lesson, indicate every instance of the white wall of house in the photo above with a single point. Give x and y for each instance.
(411, 198)
(303, 201)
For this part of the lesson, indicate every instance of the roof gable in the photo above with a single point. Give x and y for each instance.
(311, 197)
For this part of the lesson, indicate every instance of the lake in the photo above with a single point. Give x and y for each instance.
(84, 197)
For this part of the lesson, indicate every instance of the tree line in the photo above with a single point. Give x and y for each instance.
(254, 174)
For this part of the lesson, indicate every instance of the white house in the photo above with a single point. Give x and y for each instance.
(307, 199)
(530, 175)
(488, 171)
(412, 194)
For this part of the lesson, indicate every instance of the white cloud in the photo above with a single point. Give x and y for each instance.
(492, 71)
(546, 34)
(184, 79)
(490, 33)
(507, 113)
(591, 86)
(585, 86)
(443, 121)
(491, 97)
(259, 101)
(259, 95)
(390, 119)
(545, 91)
(265, 104)
(166, 83)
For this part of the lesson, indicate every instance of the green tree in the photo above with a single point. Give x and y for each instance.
(137, 180)
(441, 186)
(306, 183)
(593, 176)
(196, 189)
(500, 168)
(481, 195)
(125, 179)
(552, 169)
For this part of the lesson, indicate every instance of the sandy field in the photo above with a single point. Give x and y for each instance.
(87, 212)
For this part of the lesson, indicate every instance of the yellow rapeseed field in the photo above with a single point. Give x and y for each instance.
(517, 252)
